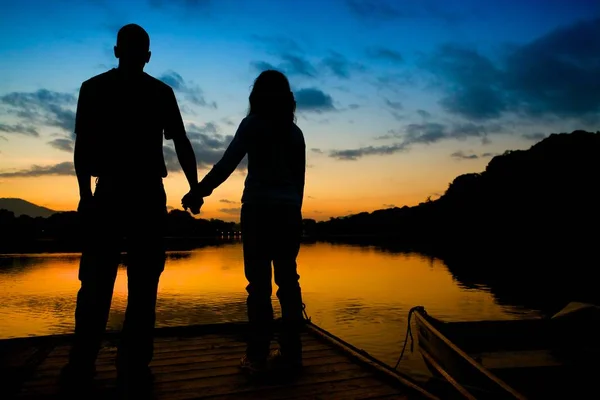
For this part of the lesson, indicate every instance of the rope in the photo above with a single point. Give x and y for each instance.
(306, 317)
(408, 334)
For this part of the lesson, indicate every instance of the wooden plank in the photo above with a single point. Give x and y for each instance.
(354, 388)
(517, 359)
(384, 371)
(178, 372)
(239, 384)
(373, 392)
(198, 384)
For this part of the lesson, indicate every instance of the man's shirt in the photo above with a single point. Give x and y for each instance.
(124, 121)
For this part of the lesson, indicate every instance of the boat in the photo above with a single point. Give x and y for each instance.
(546, 357)
(202, 361)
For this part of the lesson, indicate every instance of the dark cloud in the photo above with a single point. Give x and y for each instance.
(19, 129)
(64, 144)
(189, 90)
(291, 65)
(389, 205)
(209, 146)
(425, 133)
(389, 10)
(227, 121)
(228, 201)
(534, 136)
(556, 75)
(385, 54)
(64, 168)
(469, 81)
(355, 154)
(42, 107)
(395, 105)
(461, 155)
(233, 211)
(261, 66)
(313, 99)
(424, 114)
(373, 9)
(353, 106)
(340, 66)
(315, 150)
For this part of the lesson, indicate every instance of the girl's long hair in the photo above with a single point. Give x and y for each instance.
(272, 97)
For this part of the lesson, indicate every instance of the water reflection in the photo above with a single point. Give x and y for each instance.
(360, 293)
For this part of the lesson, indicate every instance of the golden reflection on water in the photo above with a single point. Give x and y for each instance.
(358, 293)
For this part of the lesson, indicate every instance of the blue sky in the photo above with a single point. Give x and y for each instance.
(395, 98)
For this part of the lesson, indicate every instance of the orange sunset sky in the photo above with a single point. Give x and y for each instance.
(394, 104)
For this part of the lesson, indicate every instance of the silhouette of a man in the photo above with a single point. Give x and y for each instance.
(122, 116)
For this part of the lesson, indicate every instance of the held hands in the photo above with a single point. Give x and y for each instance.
(192, 201)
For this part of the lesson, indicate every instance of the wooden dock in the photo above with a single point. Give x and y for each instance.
(202, 362)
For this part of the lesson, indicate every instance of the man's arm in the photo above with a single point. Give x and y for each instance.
(175, 130)
(187, 159)
(82, 147)
(232, 157)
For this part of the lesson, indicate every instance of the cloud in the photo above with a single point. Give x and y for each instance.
(64, 168)
(461, 155)
(313, 99)
(19, 129)
(379, 10)
(42, 107)
(340, 66)
(394, 105)
(384, 11)
(556, 75)
(208, 144)
(355, 154)
(424, 114)
(534, 136)
(389, 205)
(316, 150)
(353, 106)
(291, 65)
(190, 91)
(425, 133)
(385, 54)
(234, 210)
(228, 201)
(64, 144)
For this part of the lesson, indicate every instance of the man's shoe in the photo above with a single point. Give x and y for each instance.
(252, 367)
(281, 362)
(76, 380)
(133, 383)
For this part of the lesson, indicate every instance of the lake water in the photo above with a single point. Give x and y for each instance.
(358, 293)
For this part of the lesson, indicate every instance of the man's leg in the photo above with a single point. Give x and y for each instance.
(257, 268)
(97, 273)
(286, 248)
(145, 264)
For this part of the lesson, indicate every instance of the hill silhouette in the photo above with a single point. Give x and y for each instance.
(542, 198)
(23, 207)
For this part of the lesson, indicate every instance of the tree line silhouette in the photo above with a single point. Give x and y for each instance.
(542, 199)
(62, 231)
